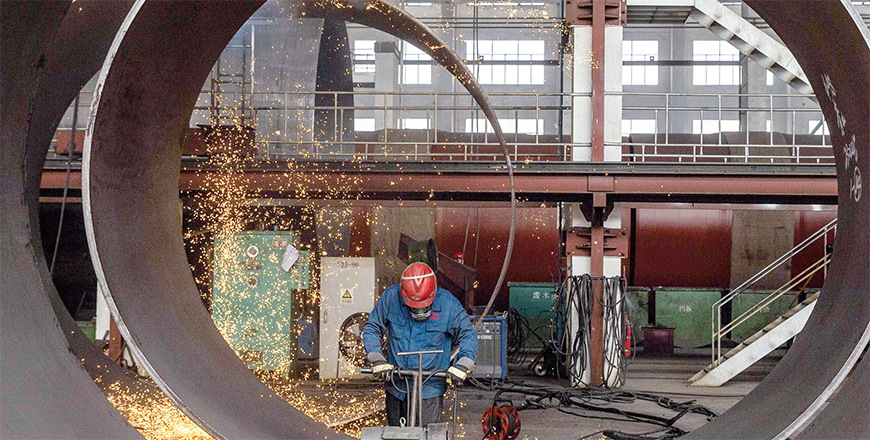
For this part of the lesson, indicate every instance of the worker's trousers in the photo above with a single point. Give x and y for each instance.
(397, 409)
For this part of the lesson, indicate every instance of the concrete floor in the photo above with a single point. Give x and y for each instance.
(663, 376)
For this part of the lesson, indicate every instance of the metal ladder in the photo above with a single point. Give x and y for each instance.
(725, 366)
(232, 100)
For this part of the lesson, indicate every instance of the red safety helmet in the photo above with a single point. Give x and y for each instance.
(418, 286)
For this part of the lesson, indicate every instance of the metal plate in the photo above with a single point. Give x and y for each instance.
(46, 391)
(406, 433)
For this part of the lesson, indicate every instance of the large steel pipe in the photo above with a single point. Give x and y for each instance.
(46, 391)
(145, 95)
(827, 37)
(831, 43)
(75, 55)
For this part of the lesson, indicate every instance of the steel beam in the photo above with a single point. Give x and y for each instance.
(534, 186)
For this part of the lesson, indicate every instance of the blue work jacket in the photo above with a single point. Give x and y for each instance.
(448, 322)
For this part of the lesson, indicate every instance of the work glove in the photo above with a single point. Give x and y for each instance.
(459, 371)
(380, 367)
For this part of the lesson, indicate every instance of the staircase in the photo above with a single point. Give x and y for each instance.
(725, 366)
(756, 346)
(752, 42)
(729, 26)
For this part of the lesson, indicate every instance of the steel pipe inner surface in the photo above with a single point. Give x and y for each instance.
(143, 101)
(46, 391)
(76, 54)
(156, 66)
(830, 41)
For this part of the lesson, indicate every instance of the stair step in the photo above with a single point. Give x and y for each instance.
(751, 41)
(773, 324)
(735, 361)
(753, 338)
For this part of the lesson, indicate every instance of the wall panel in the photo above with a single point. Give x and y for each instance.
(535, 248)
(683, 247)
(805, 224)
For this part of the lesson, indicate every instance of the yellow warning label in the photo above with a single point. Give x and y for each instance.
(346, 295)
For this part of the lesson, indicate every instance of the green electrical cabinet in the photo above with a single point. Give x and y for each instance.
(534, 302)
(688, 311)
(252, 297)
(756, 322)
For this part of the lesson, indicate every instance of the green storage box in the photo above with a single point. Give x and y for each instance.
(252, 300)
(89, 329)
(756, 322)
(534, 302)
(688, 311)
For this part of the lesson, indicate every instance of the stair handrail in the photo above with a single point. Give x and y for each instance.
(716, 309)
(776, 294)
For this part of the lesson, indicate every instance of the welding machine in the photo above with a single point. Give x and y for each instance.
(491, 349)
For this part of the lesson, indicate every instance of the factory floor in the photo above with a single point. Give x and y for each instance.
(663, 376)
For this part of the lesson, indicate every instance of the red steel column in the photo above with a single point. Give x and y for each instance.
(116, 342)
(360, 244)
(598, 23)
(597, 249)
(596, 324)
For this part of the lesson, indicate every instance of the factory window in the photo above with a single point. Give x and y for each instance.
(640, 50)
(816, 128)
(364, 56)
(522, 126)
(712, 126)
(638, 126)
(417, 4)
(415, 123)
(418, 67)
(363, 124)
(506, 61)
(715, 75)
(769, 78)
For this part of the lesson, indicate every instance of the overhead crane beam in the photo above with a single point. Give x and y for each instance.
(534, 182)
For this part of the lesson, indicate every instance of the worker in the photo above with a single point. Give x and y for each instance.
(419, 316)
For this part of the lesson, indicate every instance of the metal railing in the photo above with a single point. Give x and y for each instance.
(428, 126)
(775, 139)
(410, 126)
(719, 331)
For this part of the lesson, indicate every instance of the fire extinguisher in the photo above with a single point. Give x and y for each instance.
(628, 342)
